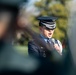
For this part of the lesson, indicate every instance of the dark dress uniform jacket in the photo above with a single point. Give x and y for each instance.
(35, 50)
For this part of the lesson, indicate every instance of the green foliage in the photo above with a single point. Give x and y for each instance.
(58, 10)
(46, 8)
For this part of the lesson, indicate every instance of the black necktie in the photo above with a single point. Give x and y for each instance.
(49, 48)
(48, 42)
(50, 45)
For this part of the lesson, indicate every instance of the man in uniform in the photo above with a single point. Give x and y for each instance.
(47, 26)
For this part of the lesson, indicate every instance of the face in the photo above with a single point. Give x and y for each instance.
(48, 33)
(5, 18)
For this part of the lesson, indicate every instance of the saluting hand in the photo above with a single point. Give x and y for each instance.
(57, 48)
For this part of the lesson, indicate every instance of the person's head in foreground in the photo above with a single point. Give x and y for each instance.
(47, 26)
(8, 14)
(9, 11)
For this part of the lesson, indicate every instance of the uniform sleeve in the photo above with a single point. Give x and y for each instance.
(60, 45)
(32, 49)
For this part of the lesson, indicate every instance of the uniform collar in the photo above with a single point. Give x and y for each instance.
(45, 39)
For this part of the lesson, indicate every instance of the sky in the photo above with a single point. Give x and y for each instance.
(30, 6)
(31, 2)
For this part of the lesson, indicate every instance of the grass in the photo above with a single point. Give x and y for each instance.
(22, 49)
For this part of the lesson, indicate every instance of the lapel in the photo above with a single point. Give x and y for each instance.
(42, 39)
(45, 45)
(42, 47)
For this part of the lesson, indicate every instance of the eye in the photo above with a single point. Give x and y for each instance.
(52, 29)
(48, 29)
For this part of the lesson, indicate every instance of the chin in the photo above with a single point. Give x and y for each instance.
(49, 36)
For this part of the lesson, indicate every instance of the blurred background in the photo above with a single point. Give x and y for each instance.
(65, 32)
(35, 8)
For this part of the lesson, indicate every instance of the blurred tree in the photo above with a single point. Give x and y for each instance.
(52, 8)
(63, 1)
